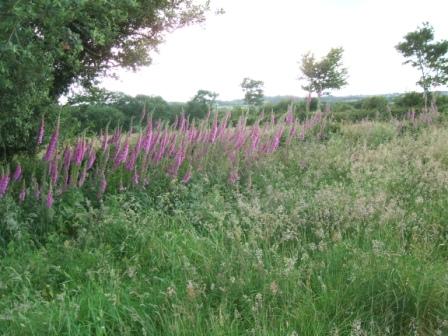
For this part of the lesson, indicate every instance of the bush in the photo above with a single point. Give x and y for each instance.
(379, 105)
(93, 118)
(410, 100)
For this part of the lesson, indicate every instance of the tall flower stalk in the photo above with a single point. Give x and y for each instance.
(195, 145)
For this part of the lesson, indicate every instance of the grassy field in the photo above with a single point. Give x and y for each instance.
(347, 236)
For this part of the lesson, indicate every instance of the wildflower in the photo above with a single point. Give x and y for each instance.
(122, 154)
(4, 182)
(147, 140)
(92, 158)
(53, 170)
(51, 149)
(276, 141)
(17, 173)
(132, 158)
(40, 135)
(67, 157)
(80, 151)
(214, 130)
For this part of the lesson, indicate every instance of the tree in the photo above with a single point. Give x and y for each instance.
(48, 45)
(324, 74)
(201, 103)
(253, 91)
(429, 57)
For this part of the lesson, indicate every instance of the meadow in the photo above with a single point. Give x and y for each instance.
(278, 228)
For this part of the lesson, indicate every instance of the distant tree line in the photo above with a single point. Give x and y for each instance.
(47, 46)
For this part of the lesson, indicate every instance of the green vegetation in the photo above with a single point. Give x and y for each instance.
(144, 217)
(201, 104)
(429, 57)
(48, 45)
(323, 75)
(253, 91)
(342, 237)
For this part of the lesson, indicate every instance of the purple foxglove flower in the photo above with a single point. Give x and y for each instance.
(92, 158)
(17, 173)
(276, 141)
(53, 170)
(139, 145)
(51, 149)
(131, 160)
(148, 142)
(50, 199)
(67, 157)
(4, 182)
(122, 154)
(289, 119)
(40, 135)
(104, 141)
(80, 151)
(173, 142)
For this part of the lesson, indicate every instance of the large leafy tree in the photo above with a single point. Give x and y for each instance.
(428, 56)
(253, 91)
(324, 74)
(200, 104)
(48, 45)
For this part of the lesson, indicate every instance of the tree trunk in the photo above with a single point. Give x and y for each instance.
(425, 98)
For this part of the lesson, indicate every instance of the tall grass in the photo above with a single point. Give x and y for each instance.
(342, 237)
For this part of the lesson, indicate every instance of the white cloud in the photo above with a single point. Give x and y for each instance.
(265, 39)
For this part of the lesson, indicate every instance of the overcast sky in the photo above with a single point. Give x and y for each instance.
(265, 39)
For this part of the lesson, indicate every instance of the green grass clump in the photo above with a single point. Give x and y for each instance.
(346, 237)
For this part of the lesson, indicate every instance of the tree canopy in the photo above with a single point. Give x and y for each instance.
(428, 56)
(200, 104)
(47, 45)
(253, 91)
(324, 74)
